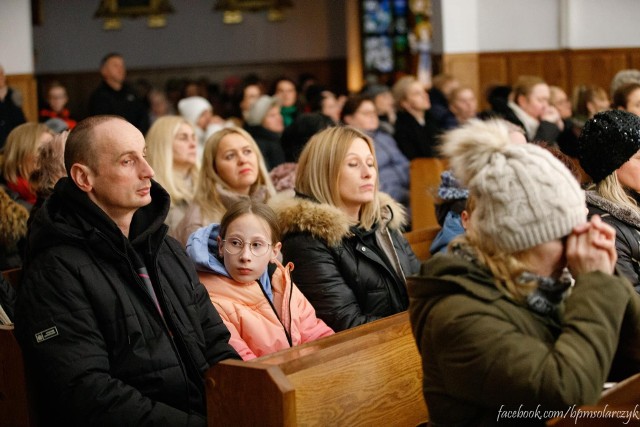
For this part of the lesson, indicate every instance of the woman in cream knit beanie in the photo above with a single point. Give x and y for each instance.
(492, 317)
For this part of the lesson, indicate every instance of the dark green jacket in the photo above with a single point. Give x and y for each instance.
(481, 350)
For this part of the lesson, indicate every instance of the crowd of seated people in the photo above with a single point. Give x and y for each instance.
(216, 216)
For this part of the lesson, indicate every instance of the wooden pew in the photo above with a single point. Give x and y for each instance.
(370, 375)
(420, 241)
(15, 409)
(424, 179)
(624, 396)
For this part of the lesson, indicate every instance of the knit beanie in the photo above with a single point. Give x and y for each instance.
(608, 141)
(450, 188)
(191, 108)
(524, 196)
(259, 109)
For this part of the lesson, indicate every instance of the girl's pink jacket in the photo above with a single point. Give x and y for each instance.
(258, 328)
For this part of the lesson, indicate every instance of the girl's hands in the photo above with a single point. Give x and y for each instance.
(592, 247)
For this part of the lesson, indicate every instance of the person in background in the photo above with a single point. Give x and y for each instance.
(237, 261)
(172, 152)
(49, 169)
(159, 105)
(13, 230)
(442, 86)
(251, 91)
(321, 100)
(558, 98)
(343, 235)
(587, 102)
(285, 90)
(393, 166)
(199, 113)
(415, 129)
(525, 312)
(627, 97)
(20, 158)
(463, 104)
(624, 77)
(232, 169)
(11, 114)
(385, 105)
(609, 152)
(264, 123)
(115, 96)
(528, 107)
(111, 318)
(57, 99)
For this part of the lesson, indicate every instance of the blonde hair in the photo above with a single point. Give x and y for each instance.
(206, 194)
(401, 87)
(319, 168)
(524, 86)
(22, 143)
(160, 140)
(612, 189)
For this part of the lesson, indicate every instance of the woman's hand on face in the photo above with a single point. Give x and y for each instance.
(591, 247)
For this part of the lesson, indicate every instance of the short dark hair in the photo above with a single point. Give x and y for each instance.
(78, 148)
(621, 95)
(108, 56)
(352, 104)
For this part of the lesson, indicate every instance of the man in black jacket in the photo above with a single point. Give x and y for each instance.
(114, 325)
(116, 96)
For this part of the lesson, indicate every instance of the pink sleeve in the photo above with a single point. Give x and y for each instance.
(236, 340)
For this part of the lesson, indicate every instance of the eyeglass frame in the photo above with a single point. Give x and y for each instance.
(224, 245)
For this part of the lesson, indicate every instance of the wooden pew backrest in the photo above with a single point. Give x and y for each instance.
(420, 241)
(424, 179)
(370, 375)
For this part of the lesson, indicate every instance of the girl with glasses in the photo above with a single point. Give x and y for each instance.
(238, 263)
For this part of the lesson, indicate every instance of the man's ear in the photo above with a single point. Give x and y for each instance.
(82, 176)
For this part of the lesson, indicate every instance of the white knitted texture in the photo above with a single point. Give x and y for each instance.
(525, 197)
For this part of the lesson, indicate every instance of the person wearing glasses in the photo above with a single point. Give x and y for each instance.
(237, 261)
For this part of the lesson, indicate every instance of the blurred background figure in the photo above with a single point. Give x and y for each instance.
(172, 152)
(627, 97)
(11, 114)
(285, 90)
(463, 104)
(265, 124)
(56, 108)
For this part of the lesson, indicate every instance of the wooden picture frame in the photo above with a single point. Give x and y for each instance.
(132, 8)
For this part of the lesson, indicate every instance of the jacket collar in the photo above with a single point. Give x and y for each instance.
(621, 213)
(305, 214)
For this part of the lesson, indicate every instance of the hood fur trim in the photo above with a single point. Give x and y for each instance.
(327, 222)
(621, 213)
(13, 219)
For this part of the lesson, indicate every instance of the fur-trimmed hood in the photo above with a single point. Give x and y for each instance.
(624, 214)
(328, 222)
(13, 219)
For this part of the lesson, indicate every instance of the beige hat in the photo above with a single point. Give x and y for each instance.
(524, 196)
(260, 108)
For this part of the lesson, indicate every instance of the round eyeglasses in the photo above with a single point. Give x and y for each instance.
(235, 246)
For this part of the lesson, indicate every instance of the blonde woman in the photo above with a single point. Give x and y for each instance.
(609, 152)
(493, 318)
(20, 159)
(343, 235)
(172, 153)
(232, 168)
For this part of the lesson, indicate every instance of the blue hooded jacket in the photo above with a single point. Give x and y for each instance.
(202, 248)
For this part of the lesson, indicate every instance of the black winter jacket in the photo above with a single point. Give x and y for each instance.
(348, 280)
(627, 225)
(99, 350)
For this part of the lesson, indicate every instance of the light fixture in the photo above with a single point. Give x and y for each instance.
(232, 9)
(112, 10)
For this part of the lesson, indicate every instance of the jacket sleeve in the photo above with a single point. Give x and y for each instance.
(484, 358)
(311, 327)
(236, 340)
(625, 264)
(410, 263)
(547, 131)
(319, 277)
(67, 354)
